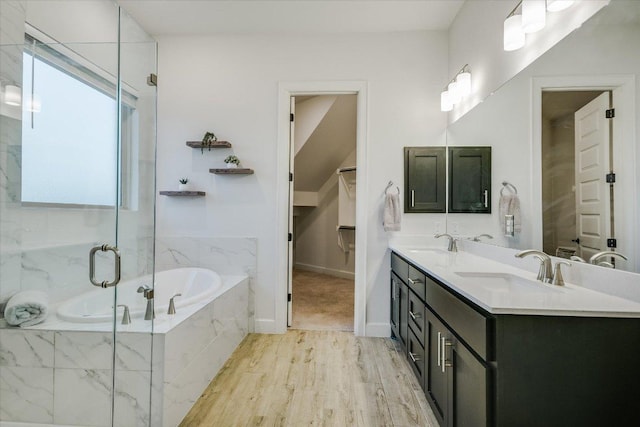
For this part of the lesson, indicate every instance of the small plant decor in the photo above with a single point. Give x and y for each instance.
(183, 184)
(232, 161)
(208, 140)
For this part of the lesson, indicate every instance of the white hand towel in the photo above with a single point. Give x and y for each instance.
(509, 204)
(391, 219)
(26, 308)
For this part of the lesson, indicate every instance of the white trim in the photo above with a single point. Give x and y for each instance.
(624, 155)
(324, 270)
(379, 330)
(285, 91)
(264, 326)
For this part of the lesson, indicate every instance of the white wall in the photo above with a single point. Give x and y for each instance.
(316, 238)
(229, 85)
(476, 38)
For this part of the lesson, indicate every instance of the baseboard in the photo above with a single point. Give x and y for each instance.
(265, 326)
(324, 270)
(382, 330)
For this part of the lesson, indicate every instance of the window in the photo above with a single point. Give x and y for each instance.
(69, 147)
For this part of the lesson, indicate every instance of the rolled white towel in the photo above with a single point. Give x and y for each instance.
(26, 308)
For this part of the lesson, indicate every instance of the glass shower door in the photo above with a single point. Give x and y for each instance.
(77, 171)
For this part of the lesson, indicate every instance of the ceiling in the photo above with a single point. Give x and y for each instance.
(208, 17)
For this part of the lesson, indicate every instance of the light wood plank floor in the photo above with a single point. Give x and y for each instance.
(309, 378)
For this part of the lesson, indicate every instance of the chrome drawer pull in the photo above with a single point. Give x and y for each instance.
(439, 348)
(413, 357)
(414, 316)
(414, 281)
(444, 362)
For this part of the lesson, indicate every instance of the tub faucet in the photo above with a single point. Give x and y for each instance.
(172, 306)
(545, 274)
(148, 294)
(453, 247)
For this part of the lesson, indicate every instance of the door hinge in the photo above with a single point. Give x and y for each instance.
(612, 243)
(290, 177)
(288, 297)
(610, 114)
(291, 117)
(611, 178)
(152, 80)
(290, 237)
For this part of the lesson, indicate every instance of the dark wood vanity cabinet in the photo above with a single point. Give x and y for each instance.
(470, 179)
(480, 369)
(425, 179)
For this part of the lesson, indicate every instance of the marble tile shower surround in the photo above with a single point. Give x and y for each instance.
(75, 367)
(225, 255)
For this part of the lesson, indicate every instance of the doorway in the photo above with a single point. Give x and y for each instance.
(323, 161)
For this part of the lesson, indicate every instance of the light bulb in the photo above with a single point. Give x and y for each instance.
(12, 95)
(454, 93)
(534, 15)
(464, 83)
(558, 5)
(513, 34)
(445, 101)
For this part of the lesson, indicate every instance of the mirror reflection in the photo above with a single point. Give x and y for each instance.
(551, 141)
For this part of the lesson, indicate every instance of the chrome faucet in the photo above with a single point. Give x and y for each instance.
(477, 238)
(595, 259)
(558, 280)
(453, 247)
(126, 317)
(172, 306)
(148, 294)
(544, 273)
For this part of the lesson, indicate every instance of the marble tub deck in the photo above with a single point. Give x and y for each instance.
(74, 363)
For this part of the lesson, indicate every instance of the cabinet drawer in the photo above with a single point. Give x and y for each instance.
(415, 354)
(415, 280)
(468, 323)
(400, 267)
(417, 316)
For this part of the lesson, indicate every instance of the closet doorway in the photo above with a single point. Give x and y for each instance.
(322, 212)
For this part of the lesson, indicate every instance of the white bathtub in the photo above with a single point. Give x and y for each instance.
(196, 285)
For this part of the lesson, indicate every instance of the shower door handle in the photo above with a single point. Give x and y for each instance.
(92, 266)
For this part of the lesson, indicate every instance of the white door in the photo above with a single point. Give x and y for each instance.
(592, 152)
(290, 246)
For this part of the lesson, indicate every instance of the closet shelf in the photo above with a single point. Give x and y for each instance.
(217, 144)
(183, 193)
(232, 171)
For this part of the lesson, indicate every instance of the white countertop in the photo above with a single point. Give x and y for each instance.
(462, 272)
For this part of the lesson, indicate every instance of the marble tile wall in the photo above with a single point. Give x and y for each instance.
(75, 367)
(225, 255)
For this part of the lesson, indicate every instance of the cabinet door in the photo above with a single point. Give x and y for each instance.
(395, 306)
(404, 313)
(425, 176)
(436, 380)
(470, 179)
(468, 392)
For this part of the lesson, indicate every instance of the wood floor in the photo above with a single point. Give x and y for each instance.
(322, 302)
(313, 378)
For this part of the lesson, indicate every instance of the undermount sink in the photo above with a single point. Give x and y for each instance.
(433, 251)
(505, 282)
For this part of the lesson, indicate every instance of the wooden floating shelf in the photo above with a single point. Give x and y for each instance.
(232, 171)
(183, 193)
(217, 144)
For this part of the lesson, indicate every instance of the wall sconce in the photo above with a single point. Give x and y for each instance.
(12, 95)
(458, 88)
(532, 18)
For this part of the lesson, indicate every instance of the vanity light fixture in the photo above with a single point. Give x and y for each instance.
(12, 95)
(558, 5)
(528, 17)
(458, 88)
(534, 15)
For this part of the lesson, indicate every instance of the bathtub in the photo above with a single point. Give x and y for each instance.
(184, 351)
(195, 284)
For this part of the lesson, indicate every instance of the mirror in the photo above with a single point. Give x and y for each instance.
(519, 120)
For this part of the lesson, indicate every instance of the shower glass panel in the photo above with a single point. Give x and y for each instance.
(77, 171)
